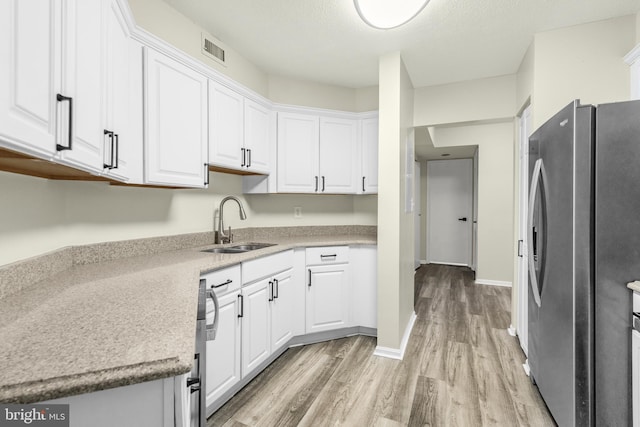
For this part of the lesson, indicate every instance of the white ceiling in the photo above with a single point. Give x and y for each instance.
(450, 40)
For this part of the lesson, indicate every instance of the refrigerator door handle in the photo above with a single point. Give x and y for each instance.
(538, 171)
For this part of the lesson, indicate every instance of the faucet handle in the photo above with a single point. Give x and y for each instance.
(230, 235)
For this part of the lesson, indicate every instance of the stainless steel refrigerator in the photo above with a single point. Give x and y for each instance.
(584, 247)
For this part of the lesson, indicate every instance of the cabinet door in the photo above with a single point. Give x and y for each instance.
(256, 338)
(83, 81)
(175, 123)
(339, 164)
(635, 380)
(29, 75)
(119, 146)
(298, 153)
(226, 127)
(369, 137)
(327, 297)
(223, 353)
(364, 286)
(283, 309)
(256, 136)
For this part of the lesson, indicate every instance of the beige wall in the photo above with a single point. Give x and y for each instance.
(160, 19)
(40, 215)
(484, 99)
(585, 62)
(395, 227)
(525, 79)
(495, 193)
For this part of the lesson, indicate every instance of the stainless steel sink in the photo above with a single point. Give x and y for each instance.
(238, 249)
(252, 246)
(225, 250)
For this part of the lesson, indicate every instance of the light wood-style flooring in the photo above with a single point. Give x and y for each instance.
(461, 368)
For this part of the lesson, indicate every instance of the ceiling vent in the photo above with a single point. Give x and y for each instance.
(212, 48)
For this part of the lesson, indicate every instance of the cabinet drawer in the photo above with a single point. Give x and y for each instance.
(327, 255)
(224, 280)
(266, 266)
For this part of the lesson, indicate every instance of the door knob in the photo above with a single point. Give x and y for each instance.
(463, 219)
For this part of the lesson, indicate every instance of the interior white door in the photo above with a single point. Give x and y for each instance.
(449, 211)
(523, 258)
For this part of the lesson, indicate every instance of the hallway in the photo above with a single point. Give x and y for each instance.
(461, 368)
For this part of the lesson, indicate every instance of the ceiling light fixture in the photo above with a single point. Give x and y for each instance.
(387, 14)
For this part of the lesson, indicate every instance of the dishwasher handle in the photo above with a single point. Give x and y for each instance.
(212, 329)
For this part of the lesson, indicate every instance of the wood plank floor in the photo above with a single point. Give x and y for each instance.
(461, 368)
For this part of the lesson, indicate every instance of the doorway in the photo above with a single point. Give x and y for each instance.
(450, 212)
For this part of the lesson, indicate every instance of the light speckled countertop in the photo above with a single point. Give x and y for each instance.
(98, 325)
(634, 286)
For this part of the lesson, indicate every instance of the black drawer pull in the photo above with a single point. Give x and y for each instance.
(229, 281)
(329, 256)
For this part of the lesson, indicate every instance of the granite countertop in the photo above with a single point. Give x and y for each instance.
(107, 321)
(634, 286)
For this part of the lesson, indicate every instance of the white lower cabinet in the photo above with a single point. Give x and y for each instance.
(283, 308)
(363, 263)
(223, 353)
(256, 336)
(327, 300)
(635, 380)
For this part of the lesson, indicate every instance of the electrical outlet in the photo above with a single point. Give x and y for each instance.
(297, 212)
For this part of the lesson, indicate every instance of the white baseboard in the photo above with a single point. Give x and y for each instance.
(398, 353)
(423, 261)
(493, 283)
(527, 369)
(455, 264)
(511, 330)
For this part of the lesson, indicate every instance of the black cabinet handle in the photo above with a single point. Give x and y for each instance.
(463, 219)
(244, 157)
(62, 98)
(316, 183)
(241, 298)
(115, 160)
(329, 256)
(248, 158)
(229, 281)
(206, 174)
(109, 134)
(363, 190)
(323, 184)
(309, 284)
(277, 283)
(271, 291)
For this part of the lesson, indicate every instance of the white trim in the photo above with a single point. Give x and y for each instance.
(633, 55)
(527, 369)
(511, 330)
(423, 261)
(397, 353)
(455, 264)
(493, 282)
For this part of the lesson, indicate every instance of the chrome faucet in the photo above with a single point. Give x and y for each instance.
(220, 236)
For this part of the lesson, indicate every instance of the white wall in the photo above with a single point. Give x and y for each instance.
(395, 227)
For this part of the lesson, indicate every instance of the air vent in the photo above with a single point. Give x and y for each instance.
(212, 49)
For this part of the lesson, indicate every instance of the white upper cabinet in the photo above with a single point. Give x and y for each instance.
(338, 156)
(238, 131)
(298, 153)
(257, 125)
(120, 141)
(226, 127)
(83, 78)
(29, 75)
(317, 154)
(369, 139)
(175, 123)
